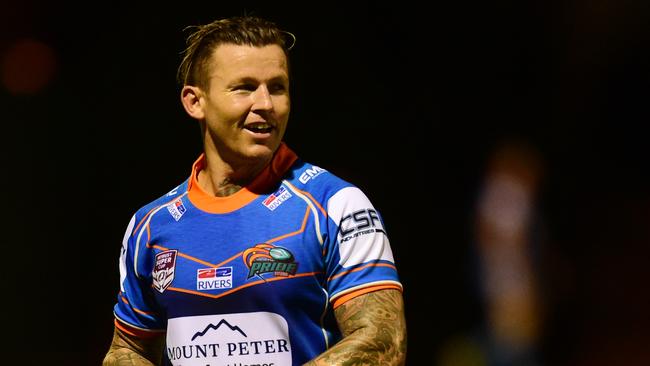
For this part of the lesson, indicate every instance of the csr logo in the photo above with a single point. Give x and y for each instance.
(360, 220)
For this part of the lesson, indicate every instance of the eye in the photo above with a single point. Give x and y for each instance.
(277, 88)
(245, 87)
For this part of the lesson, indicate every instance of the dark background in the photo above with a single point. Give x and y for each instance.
(407, 102)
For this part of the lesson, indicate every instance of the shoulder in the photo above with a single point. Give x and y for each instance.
(161, 201)
(315, 179)
(334, 193)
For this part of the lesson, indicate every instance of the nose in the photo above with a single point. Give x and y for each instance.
(262, 99)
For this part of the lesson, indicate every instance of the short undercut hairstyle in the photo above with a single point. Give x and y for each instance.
(204, 39)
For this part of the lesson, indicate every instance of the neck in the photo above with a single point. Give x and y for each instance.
(222, 179)
(223, 188)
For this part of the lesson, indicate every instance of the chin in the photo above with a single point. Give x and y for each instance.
(261, 151)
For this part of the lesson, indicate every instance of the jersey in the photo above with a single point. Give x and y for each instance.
(252, 278)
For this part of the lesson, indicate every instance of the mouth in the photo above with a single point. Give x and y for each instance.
(259, 127)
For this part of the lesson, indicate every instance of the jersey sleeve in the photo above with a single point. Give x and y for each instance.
(135, 311)
(359, 258)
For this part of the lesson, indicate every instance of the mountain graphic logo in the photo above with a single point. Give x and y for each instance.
(215, 327)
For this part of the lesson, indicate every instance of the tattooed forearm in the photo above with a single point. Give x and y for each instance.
(125, 357)
(131, 351)
(374, 331)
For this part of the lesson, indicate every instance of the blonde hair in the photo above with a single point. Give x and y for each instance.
(246, 30)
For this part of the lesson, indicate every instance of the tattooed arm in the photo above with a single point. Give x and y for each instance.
(127, 350)
(374, 332)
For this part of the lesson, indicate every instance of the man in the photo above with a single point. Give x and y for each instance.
(258, 258)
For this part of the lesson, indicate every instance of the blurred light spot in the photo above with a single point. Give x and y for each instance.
(27, 66)
(505, 214)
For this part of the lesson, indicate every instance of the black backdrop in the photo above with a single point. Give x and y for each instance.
(407, 102)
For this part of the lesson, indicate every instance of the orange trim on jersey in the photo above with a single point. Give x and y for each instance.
(282, 161)
(137, 227)
(362, 267)
(124, 300)
(229, 259)
(347, 297)
(302, 228)
(148, 233)
(258, 282)
(135, 332)
(308, 195)
(159, 247)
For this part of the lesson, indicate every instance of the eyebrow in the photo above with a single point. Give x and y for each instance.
(248, 79)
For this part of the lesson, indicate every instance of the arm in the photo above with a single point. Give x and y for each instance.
(128, 350)
(374, 331)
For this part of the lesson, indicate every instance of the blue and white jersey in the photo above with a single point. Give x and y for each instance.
(251, 278)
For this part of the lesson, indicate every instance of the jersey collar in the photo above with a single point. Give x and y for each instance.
(282, 160)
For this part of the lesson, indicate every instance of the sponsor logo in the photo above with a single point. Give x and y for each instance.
(310, 173)
(266, 258)
(176, 209)
(172, 192)
(358, 223)
(258, 338)
(274, 200)
(213, 278)
(164, 269)
(216, 327)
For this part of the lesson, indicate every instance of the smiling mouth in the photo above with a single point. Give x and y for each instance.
(259, 127)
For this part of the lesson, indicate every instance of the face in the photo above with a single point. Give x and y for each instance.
(246, 108)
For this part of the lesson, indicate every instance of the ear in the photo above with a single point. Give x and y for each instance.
(191, 97)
